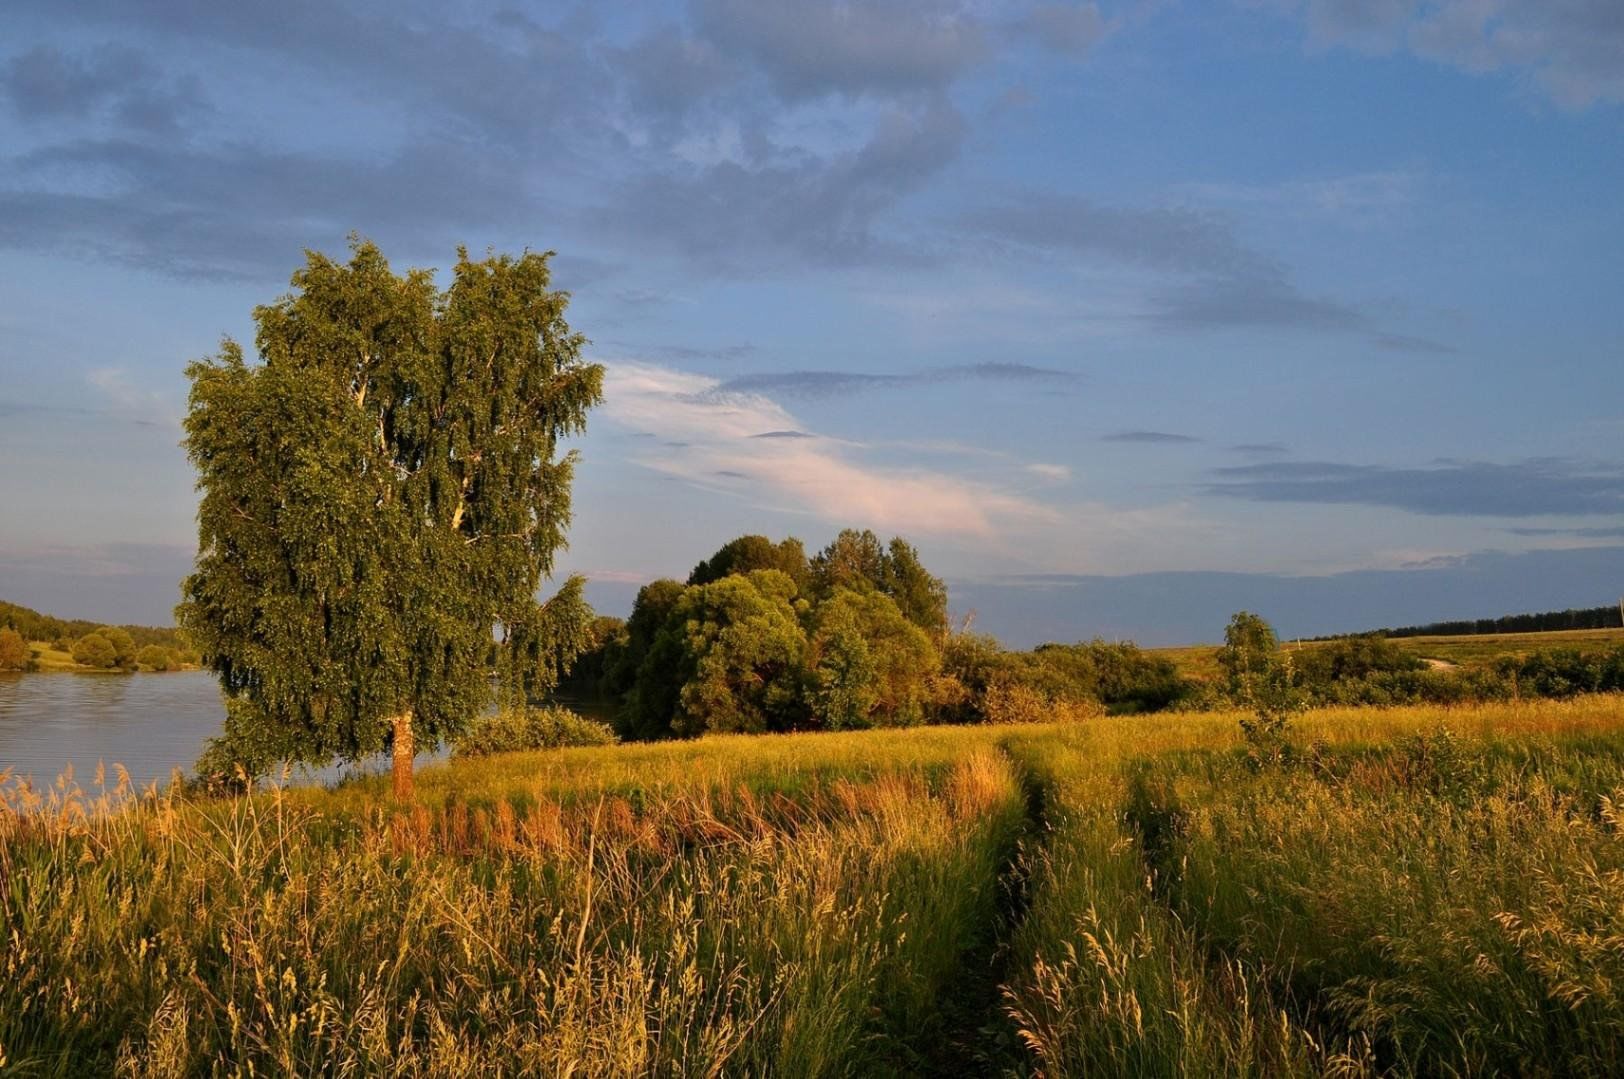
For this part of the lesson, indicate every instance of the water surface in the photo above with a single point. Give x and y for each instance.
(152, 724)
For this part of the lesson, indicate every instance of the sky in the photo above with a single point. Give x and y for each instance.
(1126, 314)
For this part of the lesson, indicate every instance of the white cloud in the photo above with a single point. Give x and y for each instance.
(1573, 50)
(143, 406)
(709, 437)
(1057, 473)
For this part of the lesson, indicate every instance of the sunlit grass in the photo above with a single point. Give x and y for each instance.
(1417, 891)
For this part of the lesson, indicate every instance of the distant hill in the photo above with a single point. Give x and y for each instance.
(1585, 618)
(35, 626)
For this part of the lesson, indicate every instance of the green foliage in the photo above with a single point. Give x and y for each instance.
(13, 651)
(625, 656)
(380, 492)
(1262, 680)
(749, 553)
(870, 666)
(157, 658)
(95, 650)
(1351, 658)
(730, 657)
(857, 562)
(529, 727)
(606, 638)
(124, 650)
(62, 632)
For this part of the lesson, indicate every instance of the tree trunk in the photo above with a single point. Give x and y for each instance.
(404, 751)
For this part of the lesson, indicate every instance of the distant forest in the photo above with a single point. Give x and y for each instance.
(1587, 618)
(35, 626)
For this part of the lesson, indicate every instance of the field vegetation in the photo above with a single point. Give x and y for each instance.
(1406, 891)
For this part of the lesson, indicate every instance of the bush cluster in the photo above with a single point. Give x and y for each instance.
(515, 729)
(762, 638)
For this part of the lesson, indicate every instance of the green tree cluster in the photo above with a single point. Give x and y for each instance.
(382, 492)
(106, 648)
(34, 626)
(761, 638)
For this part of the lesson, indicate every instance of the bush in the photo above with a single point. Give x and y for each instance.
(548, 727)
(14, 654)
(157, 658)
(95, 650)
(1015, 702)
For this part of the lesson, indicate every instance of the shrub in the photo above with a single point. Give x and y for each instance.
(157, 658)
(13, 651)
(548, 727)
(123, 646)
(95, 650)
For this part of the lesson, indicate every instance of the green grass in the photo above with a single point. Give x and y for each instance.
(1200, 661)
(1416, 891)
(54, 660)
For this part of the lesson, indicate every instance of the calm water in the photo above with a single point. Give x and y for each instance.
(149, 723)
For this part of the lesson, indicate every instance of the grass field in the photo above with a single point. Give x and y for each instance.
(54, 660)
(1200, 661)
(1416, 891)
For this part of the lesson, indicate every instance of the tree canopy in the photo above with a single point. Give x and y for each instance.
(14, 654)
(382, 492)
(857, 561)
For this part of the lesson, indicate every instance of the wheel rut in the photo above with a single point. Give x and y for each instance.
(975, 1035)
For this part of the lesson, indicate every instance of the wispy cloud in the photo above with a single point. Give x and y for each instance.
(840, 383)
(1530, 488)
(1571, 51)
(827, 478)
(134, 402)
(1153, 438)
(1607, 532)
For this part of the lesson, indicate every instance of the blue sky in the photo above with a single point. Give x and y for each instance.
(1118, 311)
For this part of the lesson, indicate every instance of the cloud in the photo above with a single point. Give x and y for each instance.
(1073, 29)
(1260, 449)
(1609, 532)
(1217, 281)
(1161, 438)
(808, 475)
(1173, 239)
(788, 204)
(1398, 342)
(881, 47)
(1530, 488)
(1571, 50)
(47, 85)
(783, 434)
(138, 404)
(1055, 473)
(840, 383)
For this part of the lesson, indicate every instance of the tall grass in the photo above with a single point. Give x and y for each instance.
(1415, 891)
(711, 929)
(1422, 891)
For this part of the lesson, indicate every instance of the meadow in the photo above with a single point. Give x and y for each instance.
(1200, 661)
(1409, 891)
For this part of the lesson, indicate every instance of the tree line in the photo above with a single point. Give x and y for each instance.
(1609, 617)
(761, 637)
(90, 644)
(34, 626)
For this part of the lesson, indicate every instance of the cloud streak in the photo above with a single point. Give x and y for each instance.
(1572, 51)
(1150, 438)
(1531, 488)
(722, 430)
(842, 383)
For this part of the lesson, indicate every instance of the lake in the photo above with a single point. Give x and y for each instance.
(149, 723)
